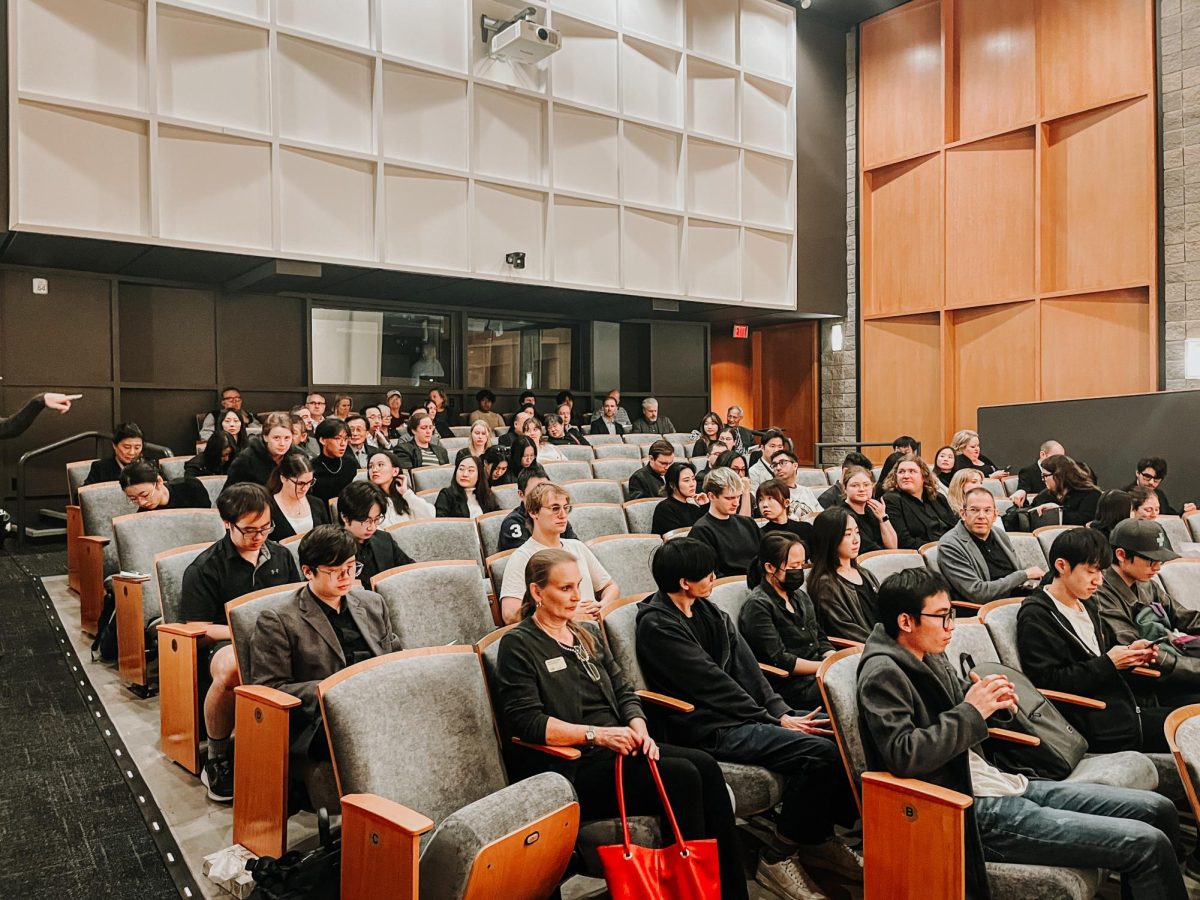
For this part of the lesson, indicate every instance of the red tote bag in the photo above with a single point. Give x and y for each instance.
(683, 871)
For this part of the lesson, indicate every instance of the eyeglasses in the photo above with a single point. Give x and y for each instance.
(140, 498)
(946, 617)
(1046, 475)
(302, 485)
(977, 511)
(351, 571)
(376, 521)
(1151, 476)
(558, 509)
(254, 532)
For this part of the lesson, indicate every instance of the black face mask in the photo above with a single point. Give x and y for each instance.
(792, 580)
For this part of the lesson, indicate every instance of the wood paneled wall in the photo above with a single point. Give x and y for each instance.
(1009, 229)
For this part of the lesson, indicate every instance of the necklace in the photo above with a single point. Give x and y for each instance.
(341, 462)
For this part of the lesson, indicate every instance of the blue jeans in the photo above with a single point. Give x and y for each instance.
(1088, 826)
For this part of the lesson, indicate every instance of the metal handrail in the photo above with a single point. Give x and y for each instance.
(97, 436)
(834, 445)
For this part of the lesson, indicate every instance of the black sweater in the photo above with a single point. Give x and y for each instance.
(186, 493)
(252, 464)
(917, 522)
(332, 475)
(735, 541)
(378, 554)
(14, 425)
(778, 637)
(645, 482)
(671, 514)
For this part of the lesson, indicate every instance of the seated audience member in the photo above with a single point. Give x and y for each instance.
(875, 529)
(733, 538)
(214, 459)
(834, 494)
(262, 454)
(1066, 646)
(495, 466)
(1144, 503)
(421, 450)
(395, 405)
(843, 594)
(468, 496)
(514, 431)
(743, 438)
(360, 507)
(428, 366)
(650, 421)
(558, 435)
(1029, 479)
(619, 415)
(968, 456)
(919, 720)
(964, 480)
(780, 625)
(1151, 473)
(731, 459)
(329, 624)
(517, 527)
(231, 399)
(977, 559)
(546, 452)
(241, 562)
(1069, 486)
(484, 401)
(916, 508)
(127, 444)
(343, 405)
(710, 428)
(650, 479)
(564, 398)
(316, 407)
(606, 422)
(689, 649)
(384, 471)
(335, 467)
(143, 484)
(302, 432)
(294, 509)
(804, 501)
(376, 432)
(360, 444)
(681, 508)
(479, 438)
(1133, 604)
(548, 505)
(943, 466)
(773, 503)
(230, 421)
(589, 705)
(1112, 508)
(572, 433)
(886, 469)
(906, 443)
(521, 455)
(528, 398)
(760, 469)
(440, 412)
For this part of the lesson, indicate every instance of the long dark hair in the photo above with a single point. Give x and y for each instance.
(292, 465)
(828, 530)
(399, 504)
(673, 472)
(241, 437)
(1112, 508)
(483, 490)
(725, 460)
(492, 457)
(774, 548)
(537, 571)
(514, 456)
(704, 439)
(213, 465)
(1068, 475)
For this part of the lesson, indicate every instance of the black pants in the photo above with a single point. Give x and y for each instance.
(696, 790)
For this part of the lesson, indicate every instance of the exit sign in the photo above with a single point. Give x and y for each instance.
(741, 331)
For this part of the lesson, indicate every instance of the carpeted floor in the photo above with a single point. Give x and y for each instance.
(69, 825)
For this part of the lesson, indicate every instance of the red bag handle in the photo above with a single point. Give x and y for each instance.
(662, 793)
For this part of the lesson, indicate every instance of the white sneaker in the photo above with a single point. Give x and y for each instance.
(786, 879)
(832, 856)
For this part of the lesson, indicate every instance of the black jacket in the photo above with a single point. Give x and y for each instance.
(1056, 660)
(103, 470)
(378, 554)
(727, 690)
(410, 455)
(984, 467)
(671, 514)
(1164, 505)
(600, 427)
(832, 496)
(331, 476)
(196, 468)
(778, 637)
(283, 528)
(186, 493)
(645, 482)
(914, 723)
(918, 522)
(252, 464)
(840, 609)
(453, 505)
(529, 694)
(1078, 507)
(1029, 480)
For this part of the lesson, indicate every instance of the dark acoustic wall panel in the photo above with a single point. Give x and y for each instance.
(166, 335)
(635, 359)
(166, 417)
(71, 325)
(46, 475)
(261, 341)
(679, 358)
(1109, 433)
(259, 402)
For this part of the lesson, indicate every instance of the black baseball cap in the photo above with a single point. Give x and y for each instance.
(1142, 537)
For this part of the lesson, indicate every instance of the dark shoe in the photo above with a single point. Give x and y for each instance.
(217, 777)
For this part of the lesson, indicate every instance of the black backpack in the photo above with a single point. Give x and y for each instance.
(1061, 748)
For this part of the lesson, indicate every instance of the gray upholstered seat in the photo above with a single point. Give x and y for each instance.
(99, 504)
(430, 478)
(640, 514)
(172, 466)
(444, 766)
(489, 530)
(618, 451)
(454, 444)
(1028, 550)
(428, 539)
(882, 563)
(627, 558)
(616, 469)
(594, 490)
(676, 533)
(1192, 520)
(1010, 484)
(577, 452)
(142, 536)
(169, 568)
(593, 520)
(1047, 534)
(729, 594)
(243, 615)
(833, 474)
(931, 558)
(1001, 622)
(1177, 532)
(1181, 578)
(1003, 505)
(506, 496)
(755, 789)
(813, 478)
(214, 484)
(496, 564)
(560, 472)
(459, 431)
(640, 440)
(604, 440)
(436, 603)
(292, 544)
(681, 437)
(995, 487)
(77, 473)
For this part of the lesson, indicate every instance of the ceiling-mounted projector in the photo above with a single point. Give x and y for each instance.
(520, 38)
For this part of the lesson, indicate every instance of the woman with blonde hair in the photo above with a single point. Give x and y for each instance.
(967, 455)
(963, 481)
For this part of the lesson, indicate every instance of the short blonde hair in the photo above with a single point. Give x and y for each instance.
(962, 438)
(956, 494)
(541, 495)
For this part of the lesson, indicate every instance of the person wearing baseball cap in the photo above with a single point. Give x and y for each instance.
(1134, 605)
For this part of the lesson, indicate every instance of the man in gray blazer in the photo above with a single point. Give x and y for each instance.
(978, 560)
(324, 627)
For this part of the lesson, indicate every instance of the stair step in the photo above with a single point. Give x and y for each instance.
(56, 514)
(34, 532)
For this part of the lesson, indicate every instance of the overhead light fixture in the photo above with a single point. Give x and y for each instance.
(836, 338)
(805, 4)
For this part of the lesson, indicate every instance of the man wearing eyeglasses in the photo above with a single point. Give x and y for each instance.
(1151, 473)
(327, 625)
(803, 500)
(239, 563)
(361, 506)
(919, 720)
(978, 559)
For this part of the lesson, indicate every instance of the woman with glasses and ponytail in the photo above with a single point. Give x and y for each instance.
(559, 686)
(361, 507)
(294, 509)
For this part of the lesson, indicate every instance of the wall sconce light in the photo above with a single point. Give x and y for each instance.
(836, 338)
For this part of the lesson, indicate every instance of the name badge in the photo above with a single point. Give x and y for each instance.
(556, 665)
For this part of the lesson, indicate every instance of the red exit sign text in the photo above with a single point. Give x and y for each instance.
(741, 331)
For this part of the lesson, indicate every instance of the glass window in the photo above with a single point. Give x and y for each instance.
(503, 354)
(372, 347)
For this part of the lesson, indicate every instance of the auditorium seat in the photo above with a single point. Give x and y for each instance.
(432, 604)
(1046, 535)
(627, 558)
(1192, 520)
(592, 490)
(640, 513)
(995, 487)
(1183, 737)
(681, 437)
(603, 440)
(99, 504)
(833, 474)
(577, 452)
(428, 478)
(495, 565)
(615, 469)
(567, 471)
(1181, 578)
(459, 431)
(593, 520)
(425, 540)
(882, 563)
(213, 484)
(172, 467)
(1028, 550)
(929, 554)
(676, 533)
(454, 444)
(1010, 485)
(506, 496)
(641, 440)
(77, 473)
(812, 478)
(618, 451)
(1178, 534)
(489, 530)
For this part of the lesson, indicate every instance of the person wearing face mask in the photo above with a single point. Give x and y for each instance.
(360, 507)
(779, 623)
(262, 454)
(294, 509)
(334, 467)
(325, 626)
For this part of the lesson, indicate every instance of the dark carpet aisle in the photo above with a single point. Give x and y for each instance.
(69, 825)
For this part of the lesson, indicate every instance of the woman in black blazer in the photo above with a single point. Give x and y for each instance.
(361, 506)
(914, 505)
(467, 496)
(1069, 486)
(559, 686)
(294, 509)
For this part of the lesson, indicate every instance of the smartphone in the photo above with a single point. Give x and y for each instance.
(1161, 640)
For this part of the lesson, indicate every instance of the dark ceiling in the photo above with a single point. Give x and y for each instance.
(845, 13)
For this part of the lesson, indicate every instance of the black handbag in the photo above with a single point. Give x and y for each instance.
(1027, 520)
(315, 875)
(1061, 747)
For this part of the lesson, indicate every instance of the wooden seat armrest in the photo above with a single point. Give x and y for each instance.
(1015, 737)
(95, 539)
(381, 845)
(1146, 672)
(917, 788)
(559, 752)
(184, 629)
(966, 604)
(1076, 699)
(666, 702)
(387, 811)
(843, 642)
(774, 670)
(257, 693)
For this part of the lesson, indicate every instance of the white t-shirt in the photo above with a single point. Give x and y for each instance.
(988, 781)
(1081, 624)
(592, 574)
(301, 524)
(418, 508)
(473, 506)
(550, 453)
(803, 502)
